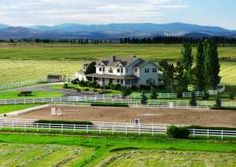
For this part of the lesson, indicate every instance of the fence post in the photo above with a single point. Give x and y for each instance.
(13, 126)
(126, 129)
(112, 129)
(194, 133)
(139, 130)
(49, 127)
(74, 128)
(152, 130)
(87, 128)
(222, 134)
(62, 128)
(25, 127)
(37, 127)
(1, 125)
(208, 133)
(100, 129)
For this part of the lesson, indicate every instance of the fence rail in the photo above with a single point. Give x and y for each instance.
(114, 99)
(102, 128)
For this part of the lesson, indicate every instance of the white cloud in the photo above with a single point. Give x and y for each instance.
(28, 12)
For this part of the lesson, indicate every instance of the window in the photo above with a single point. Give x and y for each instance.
(136, 70)
(118, 81)
(127, 82)
(121, 70)
(118, 70)
(146, 70)
(110, 70)
(100, 68)
(103, 69)
(154, 70)
(121, 81)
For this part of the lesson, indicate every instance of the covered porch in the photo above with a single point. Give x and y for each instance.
(102, 80)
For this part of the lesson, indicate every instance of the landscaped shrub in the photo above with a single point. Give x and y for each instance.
(110, 104)
(66, 86)
(143, 98)
(178, 132)
(126, 92)
(193, 100)
(64, 122)
(232, 95)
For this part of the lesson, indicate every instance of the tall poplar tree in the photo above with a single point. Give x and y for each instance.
(187, 59)
(211, 64)
(181, 83)
(199, 70)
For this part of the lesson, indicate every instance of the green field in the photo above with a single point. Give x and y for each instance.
(35, 94)
(20, 62)
(9, 108)
(35, 150)
(35, 155)
(91, 51)
(169, 158)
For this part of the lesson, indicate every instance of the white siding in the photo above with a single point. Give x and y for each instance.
(147, 76)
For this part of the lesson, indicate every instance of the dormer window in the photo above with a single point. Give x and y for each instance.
(100, 68)
(110, 70)
(121, 70)
(154, 70)
(136, 70)
(118, 70)
(146, 70)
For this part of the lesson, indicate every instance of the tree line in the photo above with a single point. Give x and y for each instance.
(176, 40)
(203, 76)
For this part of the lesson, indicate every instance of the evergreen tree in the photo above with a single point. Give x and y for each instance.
(218, 100)
(199, 70)
(193, 100)
(211, 64)
(187, 59)
(143, 98)
(181, 83)
(153, 93)
(168, 74)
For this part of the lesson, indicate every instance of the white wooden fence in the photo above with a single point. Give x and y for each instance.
(107, 128)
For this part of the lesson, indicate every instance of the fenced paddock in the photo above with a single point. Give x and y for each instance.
(105, 128)
(184, 103)
(146, 115)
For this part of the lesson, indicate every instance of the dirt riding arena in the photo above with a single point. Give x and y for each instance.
(203, 117)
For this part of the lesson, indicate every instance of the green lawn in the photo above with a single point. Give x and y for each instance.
(35, 94)
(118, 150)
(9, 108)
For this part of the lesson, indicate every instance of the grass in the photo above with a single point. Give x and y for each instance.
(31, 61)
(35, 94)
(22, 70)
(9, 108)
(91, 51)
(36, 155)
(168, 158)
(106, 147)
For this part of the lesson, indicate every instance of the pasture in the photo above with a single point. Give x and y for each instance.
(9, 108)
(20, 62)
(36, 155)
(112, 151)
(198, 117)
(138, 158)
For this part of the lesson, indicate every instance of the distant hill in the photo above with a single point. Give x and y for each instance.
(111, 31)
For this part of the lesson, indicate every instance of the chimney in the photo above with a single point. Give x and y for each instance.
(114, 58)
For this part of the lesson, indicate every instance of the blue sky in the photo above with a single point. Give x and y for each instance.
(51, 12)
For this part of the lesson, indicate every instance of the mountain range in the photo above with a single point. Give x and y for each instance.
(111, 31)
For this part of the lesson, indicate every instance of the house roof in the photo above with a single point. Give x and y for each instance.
(114, 61)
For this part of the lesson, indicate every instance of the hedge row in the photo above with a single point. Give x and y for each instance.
(223, 108)
(110, 104)
(64, 122)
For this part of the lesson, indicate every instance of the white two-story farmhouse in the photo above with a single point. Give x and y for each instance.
(127, 72)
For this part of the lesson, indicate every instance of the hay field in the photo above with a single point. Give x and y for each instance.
(38, 155)
(22, 70)
(169, 158)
